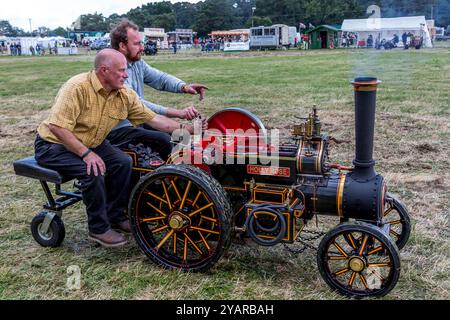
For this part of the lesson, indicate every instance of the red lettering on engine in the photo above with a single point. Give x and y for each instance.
(269, 171)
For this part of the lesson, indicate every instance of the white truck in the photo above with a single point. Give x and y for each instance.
(274, 37)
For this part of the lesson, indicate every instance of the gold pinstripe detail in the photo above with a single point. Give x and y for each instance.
(340, 195)
(319, 157)
(299, 157)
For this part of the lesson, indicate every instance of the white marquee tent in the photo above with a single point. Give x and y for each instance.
(26, 42)
(387, 27)
(50, 40)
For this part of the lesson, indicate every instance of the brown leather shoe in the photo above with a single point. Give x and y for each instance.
(122, 227)
(109, 239)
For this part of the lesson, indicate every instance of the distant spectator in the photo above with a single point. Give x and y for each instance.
(356, 40)
(32, 50)
(370, 41)
(404, 39)
(395, 40)
(174, 45)
(344, 42)
(13, 49)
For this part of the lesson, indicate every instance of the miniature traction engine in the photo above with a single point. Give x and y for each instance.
(184, 216)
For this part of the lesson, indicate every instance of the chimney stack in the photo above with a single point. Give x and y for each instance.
(365, 104)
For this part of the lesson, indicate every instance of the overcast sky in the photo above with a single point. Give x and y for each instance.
(61, 13)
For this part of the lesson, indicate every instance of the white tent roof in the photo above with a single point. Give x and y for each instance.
(51, 38)
(401, 23)
(384, 25)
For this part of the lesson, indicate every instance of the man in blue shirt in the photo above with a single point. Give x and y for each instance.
(125, 38)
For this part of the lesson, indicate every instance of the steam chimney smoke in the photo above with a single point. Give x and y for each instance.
(365, 104)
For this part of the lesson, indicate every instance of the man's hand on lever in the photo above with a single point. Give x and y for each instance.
(204, 123)
(189, 113)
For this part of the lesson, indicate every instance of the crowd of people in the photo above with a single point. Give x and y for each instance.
(205, 44)
(349, 40)
(209, 45)
(14, 48)
(352, 40)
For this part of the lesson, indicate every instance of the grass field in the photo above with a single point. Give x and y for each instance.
(412, 149)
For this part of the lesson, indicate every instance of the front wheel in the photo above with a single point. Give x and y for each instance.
(181, 218)
(359, 260)
(396, 215)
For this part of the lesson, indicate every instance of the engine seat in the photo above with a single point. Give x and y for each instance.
(28, 167)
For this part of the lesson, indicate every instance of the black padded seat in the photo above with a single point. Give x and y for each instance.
(28, 167)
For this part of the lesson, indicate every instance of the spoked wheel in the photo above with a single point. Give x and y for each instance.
(181, 218)
(359, 260)
(396, 215)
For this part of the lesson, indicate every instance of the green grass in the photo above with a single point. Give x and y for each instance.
(412, 149)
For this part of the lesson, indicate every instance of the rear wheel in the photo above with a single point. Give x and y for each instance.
(181, 218)
(359, 260)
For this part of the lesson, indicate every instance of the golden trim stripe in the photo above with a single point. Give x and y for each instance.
(319, 157)
(340, 195)
(294, 203)
(133, 155)
(142, 169)
(261, 156)
(366, 88)
(299, 158)
(235, 188)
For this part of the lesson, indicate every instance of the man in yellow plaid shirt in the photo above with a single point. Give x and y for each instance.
(72, 141)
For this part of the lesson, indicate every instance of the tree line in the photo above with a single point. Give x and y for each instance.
(206, 16)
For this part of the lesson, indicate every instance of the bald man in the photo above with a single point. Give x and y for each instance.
(72, 141)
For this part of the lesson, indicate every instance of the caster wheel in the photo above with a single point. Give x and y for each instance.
(53, 236)
(359, 260)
